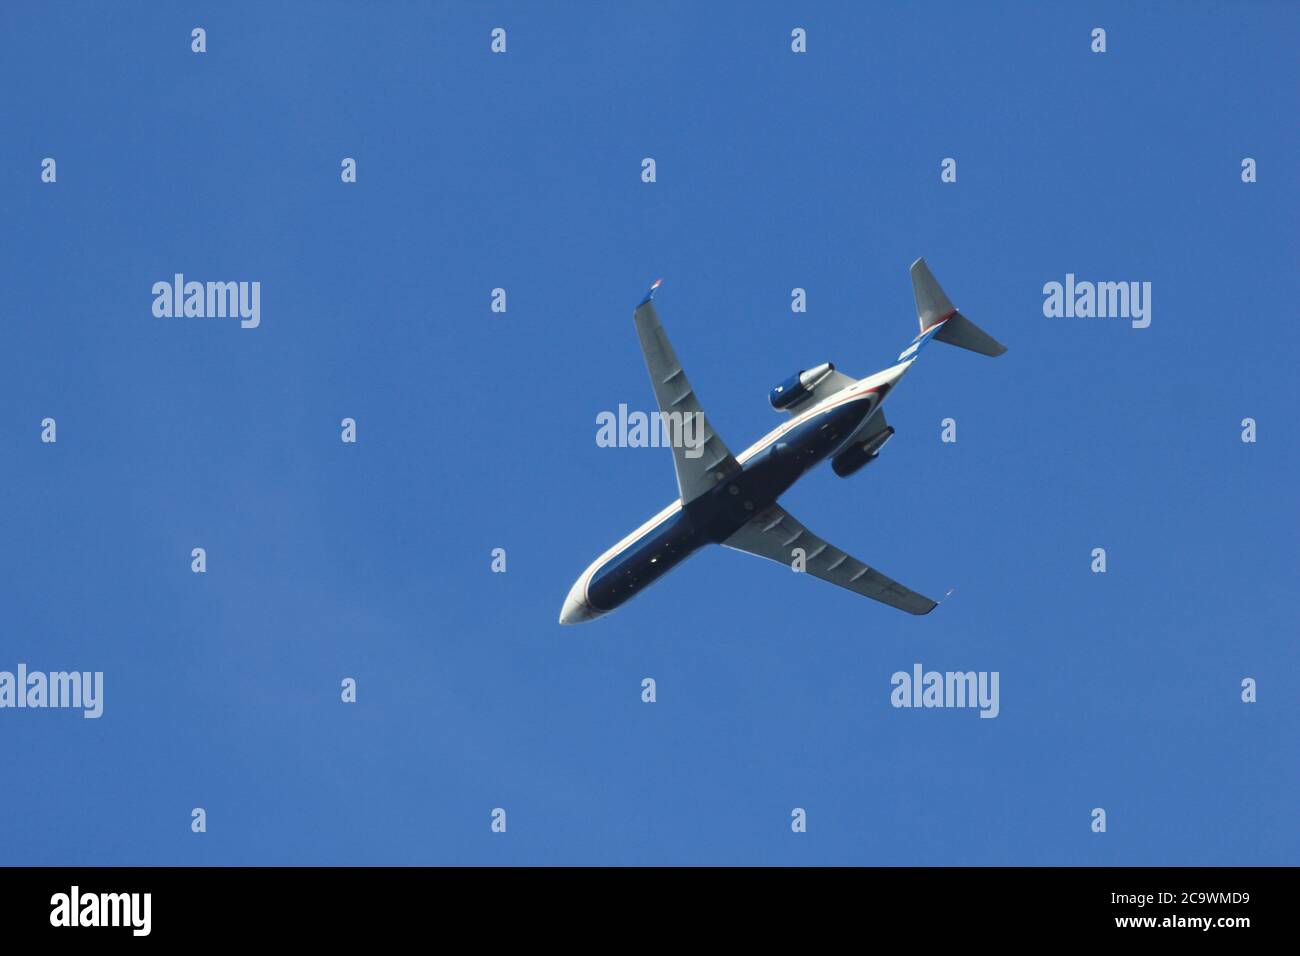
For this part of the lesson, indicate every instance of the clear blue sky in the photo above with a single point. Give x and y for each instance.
(477, 431)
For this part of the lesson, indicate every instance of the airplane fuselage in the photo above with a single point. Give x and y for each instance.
(768, 469)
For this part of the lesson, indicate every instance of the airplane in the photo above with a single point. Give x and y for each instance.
(733, 500)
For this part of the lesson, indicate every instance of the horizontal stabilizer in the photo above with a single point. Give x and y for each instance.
(965, 334)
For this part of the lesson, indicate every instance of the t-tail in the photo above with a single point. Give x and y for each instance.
(940, 320)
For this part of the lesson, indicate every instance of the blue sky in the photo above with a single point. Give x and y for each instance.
(477, 431)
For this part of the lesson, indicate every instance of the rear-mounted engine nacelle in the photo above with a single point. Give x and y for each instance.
(798, 386)
(861, 453)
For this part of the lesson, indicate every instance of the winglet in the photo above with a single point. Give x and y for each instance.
(935, 604)
(651, 294)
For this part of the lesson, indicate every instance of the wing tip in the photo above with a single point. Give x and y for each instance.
(934, 604)
(654, 287)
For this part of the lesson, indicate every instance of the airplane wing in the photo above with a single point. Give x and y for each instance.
(709, 461)
(774, 535)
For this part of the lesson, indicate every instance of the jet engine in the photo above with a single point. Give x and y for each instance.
(799, 386)
(861, 453)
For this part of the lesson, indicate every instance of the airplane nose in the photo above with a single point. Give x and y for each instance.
(575, 611)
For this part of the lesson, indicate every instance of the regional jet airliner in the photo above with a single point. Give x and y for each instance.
(732, 499)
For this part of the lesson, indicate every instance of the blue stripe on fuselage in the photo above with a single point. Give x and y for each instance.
(921, 341)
